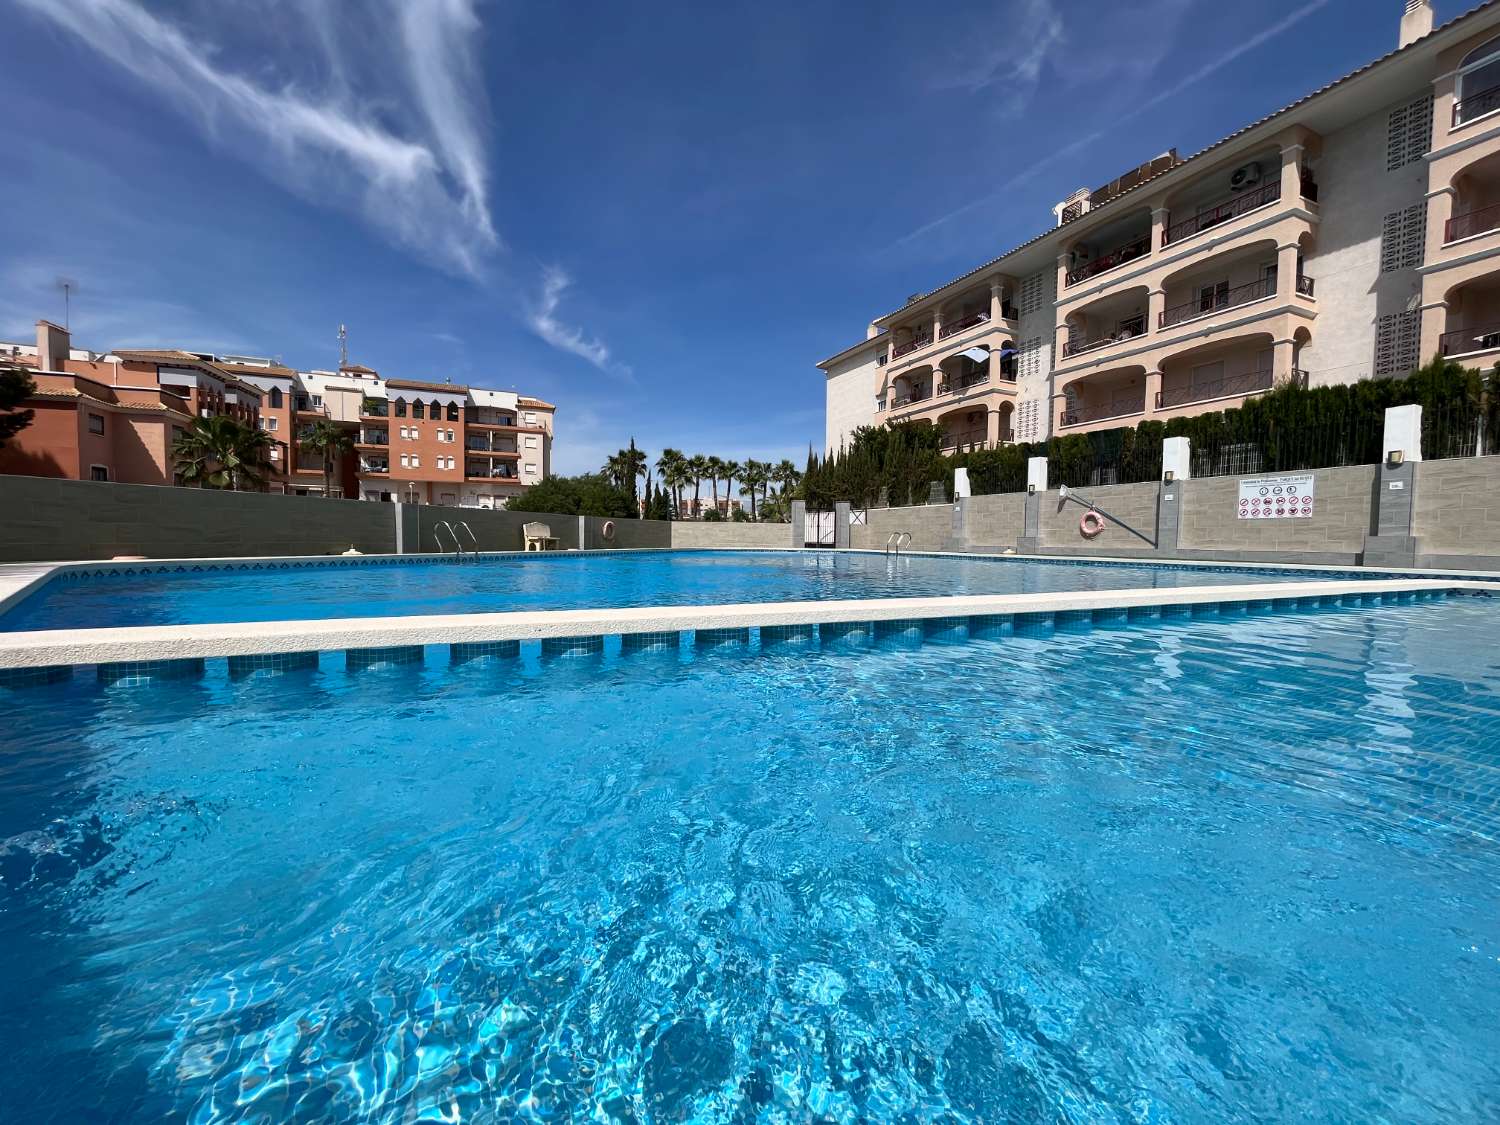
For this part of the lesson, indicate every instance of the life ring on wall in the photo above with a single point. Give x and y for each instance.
(608, 531)
(1091, 524)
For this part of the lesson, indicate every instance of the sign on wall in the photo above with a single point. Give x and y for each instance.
(1276, 498)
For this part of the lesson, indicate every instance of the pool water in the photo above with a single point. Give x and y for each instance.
(575, 582)
(1226, 870)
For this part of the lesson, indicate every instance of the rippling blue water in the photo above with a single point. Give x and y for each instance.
(575, 582)
(1229, 870)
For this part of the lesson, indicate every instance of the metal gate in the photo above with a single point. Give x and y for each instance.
(819, 529)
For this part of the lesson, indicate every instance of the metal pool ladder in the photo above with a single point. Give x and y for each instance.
(473, 541)
(896, 540)
(458, 548)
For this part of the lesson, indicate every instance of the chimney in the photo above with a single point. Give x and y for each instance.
(1416, 21)
(52, 346)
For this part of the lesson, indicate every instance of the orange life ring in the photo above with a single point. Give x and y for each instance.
(1091, 524)
(609, 531)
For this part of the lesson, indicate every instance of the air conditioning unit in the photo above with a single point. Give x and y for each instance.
(1244, 177)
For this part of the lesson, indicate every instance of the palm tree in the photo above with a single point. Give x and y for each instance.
(786, 476)
(329, 441)
(220, 452)
(615, 469)
(753, 476)
(669, 466)
(698, 469)
(715, 471)
(677, 478)
(731, 472)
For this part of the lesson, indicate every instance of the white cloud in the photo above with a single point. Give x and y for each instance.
(1139, 107)
(563, 337)
(1032, 30)
(410, 159)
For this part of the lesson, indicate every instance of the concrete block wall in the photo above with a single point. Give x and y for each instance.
(931, 527)
(688, 533)
(629, 534)
(1130, 524)
(45, 519)
(494, 529)
(996, 521)
(1457, 510)
(1343, 516)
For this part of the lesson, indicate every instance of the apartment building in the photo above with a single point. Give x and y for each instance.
(114, 416)
(1352, 234)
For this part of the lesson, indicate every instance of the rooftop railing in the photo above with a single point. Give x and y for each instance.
(1135, 248)
(1479, 221)
(1229, 209)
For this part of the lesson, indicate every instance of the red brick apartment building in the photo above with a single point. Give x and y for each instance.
(114, 416)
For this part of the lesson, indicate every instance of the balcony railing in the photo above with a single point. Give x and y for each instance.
(910, 346)
(970, 439)
(1479, 221)
(373, 409)
(1128, 330)
(963, 325)
(1230, 209)
(484, 472)
(962, 384)
(1207, 305)
(907, 400)
(1249, 383)
(1476, 105)
(1135, 248)
(375, 467)
(1463, 340)
(374, 439)
(1118, 407)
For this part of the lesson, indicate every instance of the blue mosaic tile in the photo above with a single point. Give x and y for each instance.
(572, 647)
(365, 659)
(34, 677)
(480, 650)
(845, 634)
(945, 630)
(721, 638)
(788, 636)
(901, 633)
(271, 663)
(1072, 620)
(992, 626)
(1109, 618)
(651, 642)
(1034, 625)
(140, 672)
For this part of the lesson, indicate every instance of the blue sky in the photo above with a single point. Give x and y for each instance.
(658, 215)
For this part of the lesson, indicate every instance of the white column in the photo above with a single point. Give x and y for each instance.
(1176, 458)
(1403, 431)
(1036, 474)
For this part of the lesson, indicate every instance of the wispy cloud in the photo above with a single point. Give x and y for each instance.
(402, 142)
(564, 337)
(1141, 106)
(1033, 31)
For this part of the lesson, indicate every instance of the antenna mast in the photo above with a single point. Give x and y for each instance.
(343, 347)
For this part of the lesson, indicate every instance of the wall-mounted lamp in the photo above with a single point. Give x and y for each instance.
(1031, 490)
(1395, 457)
(1169, 476)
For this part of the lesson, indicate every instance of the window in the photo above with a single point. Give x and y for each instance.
(1396, 342)
(416, 461)
(880, 403)
(531, 468)
(275, 454)
(96, 423)
(881, 359)
(531, 441)
(452, 436)
(269, 423)
(317, 401)
(98, 472)
(1478, 83)
(1214, 296)
(418, 409)
(453, 412)
(400, 408)
(1408, 134)
(276, 399)
(1402, 236)
(406, 460)
(1207, 379)
(530, 418)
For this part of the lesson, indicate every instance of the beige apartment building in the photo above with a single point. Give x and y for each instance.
(1353, 234)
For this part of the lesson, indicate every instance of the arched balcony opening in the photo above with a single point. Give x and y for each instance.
(1230, 369)
(1110, 246)
(912, 387)
(1120, 316)
(963, 372)
(976, 427)
(1478, 86)
(1234, 189)
(1476, 200)
(907, 338)
(1239, 277)
(968, 310)
(1473, 319)
(1118, 393)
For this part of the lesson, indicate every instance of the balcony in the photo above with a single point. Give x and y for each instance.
(910, 346)
(964, 324)
(1209, 304)
(959, 386)
(1120, 406)
(1127, 330)
(899, 401)
(1250, 383)
(1230, 209)
(475, 471)
(1462, 341)
(1476, 105)
(375, 438)
(972, 439)
(1135, 248)
(374, 468)
(1480, 221)
(373, 408)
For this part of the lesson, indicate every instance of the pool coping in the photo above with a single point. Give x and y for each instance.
(139, 644)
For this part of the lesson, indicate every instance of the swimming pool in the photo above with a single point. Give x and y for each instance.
(206, 593)
(1209, 870)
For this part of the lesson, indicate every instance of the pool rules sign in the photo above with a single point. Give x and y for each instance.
(1276, 498)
